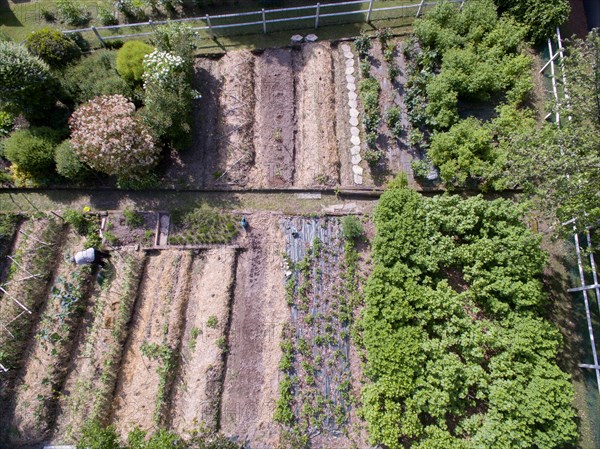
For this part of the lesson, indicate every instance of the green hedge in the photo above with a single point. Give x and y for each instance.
(457, 352)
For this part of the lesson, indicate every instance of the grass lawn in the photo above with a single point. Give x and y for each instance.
(18, 19)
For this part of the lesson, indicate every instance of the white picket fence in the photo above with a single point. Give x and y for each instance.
(264, 17)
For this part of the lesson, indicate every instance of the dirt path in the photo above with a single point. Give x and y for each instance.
(194, 167)
(198, 386)
(48, 356)
(156, 322)
(274, 119)
(259, 311)
(236, 118)
(317, 161)
(88, 389)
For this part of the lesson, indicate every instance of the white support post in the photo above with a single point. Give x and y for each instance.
(587, 305)
(370, 10)
(564, 76)
(16, 300)
(210, 30)
(553, 75)
(420, 8)
(264, 20)
(593, 265)
(317, 16)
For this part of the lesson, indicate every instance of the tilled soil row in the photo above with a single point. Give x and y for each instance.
(89, 386)
(48, 356)
(32, 258)
(155, 331)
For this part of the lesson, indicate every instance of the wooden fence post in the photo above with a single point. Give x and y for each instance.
(317, 16)
(420, 8)
(98, 36)
(370, 9)
(210, 31)
(264, 17)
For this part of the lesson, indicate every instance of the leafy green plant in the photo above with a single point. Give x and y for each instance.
(93, 76)
(130, 58)
(352, 228)
(72, 12)
(133, 219)
(212, 322)
(363, 45)
(203, 225)
(32, 150)
(68, 164)
(52, 46)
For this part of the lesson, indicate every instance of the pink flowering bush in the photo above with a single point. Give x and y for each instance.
(108, 137)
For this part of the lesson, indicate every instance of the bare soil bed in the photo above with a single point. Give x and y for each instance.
(157, 321)
(265, 120)
(198, 385)
(123, 234)
(317, 161)
(258, 314)
(274, 119)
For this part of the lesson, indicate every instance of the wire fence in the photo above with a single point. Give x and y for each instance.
(268, 20)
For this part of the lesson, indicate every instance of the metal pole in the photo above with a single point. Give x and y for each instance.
(317, 16)
(420, 8)
(370, 9)
(98, 36)
(593, 264)
(264, 21)
(210, 31)
(554, 89)
(587, 305)
(564, 76)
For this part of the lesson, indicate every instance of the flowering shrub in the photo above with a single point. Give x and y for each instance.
(163, 69)
(108, 137)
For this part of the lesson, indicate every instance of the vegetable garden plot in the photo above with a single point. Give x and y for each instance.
(198, 384)
(315, 390)
(150, 355)
(47, 358)
(316, 156)
(30, 258)
(88, 389)
(131, 228)
(274, 119)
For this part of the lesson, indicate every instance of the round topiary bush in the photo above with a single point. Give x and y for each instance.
(108, 136)
(68, 163)
(32, 150)
(130, 60)
(53, 47)
(25, 79)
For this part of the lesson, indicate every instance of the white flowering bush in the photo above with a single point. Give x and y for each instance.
(107, 135)
(162, 69)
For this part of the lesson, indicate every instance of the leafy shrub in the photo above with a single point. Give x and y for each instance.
(72, 12)
(363, 45)
(371, 139)
(168, 97)
(95, 436)
(107, 17)
(130, 61)
(133, 219)
(373, 156)
(541, 17)
(203, 225)
(365, 68)
(177, 38)
(32, 150)
(453, 321)
(52, 46)
(68, 163)
(6, 123)
(352, 228)
(25, 79)
(108, 137)
(421, 168)
(393, 116)
(94, 76)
